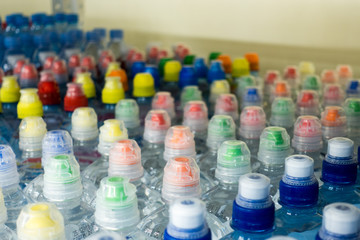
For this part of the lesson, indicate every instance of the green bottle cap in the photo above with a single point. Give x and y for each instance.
(213, 56)
(189, 59)
(162, 63)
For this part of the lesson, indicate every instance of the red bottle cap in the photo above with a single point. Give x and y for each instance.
(59, 67)
(89, 62)
(18, 66)
(74, 61)
(49, 62)
(28, 71)
(74, 97)
(48, 89)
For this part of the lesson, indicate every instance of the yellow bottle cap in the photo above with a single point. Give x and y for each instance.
(123, 77)
(40, 221)
(220, 86)
(171, 71)
(240, 67)
(32, 127)
(87, 83)
(29, 104)
(111, 67)
(112, 91)
(306, 68)
(143, 85)
(10, 90)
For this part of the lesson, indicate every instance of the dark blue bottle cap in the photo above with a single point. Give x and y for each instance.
(252, 95)
(200, 67)
(353, 86)
(72, 18)
(116, 33)
(92, 36)
(60, 17)
(216, 72)
(26, 39)
(137, 67)
(153, 70)
(49, 20)
(22, 21)
(53, 36)
(187, 77)
(101, 32)
(38, 18)
(41, 40)
(12, 42)
(168, 237)
(299, 192)
(341, 171)
(70, 37)
(10, 19)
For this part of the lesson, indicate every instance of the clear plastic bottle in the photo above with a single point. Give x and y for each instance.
(14, 197)
(280, 88)
(201, 71)
(181, 180)
(164, 101)
(274, 148)
(92, 44)
(308, 103)
(217, 88)
(112, 131)
(253, 210)
(271, 76)
(291, 75)
(5, 232)
(60, 71)
(252, 123)
(242, 84)
(196, 118)
(60, 22)
(171, 78)
(233, 161)
(328, 76)
(340, 221)
(116, 44)
(42, 51)
(252, 97)
(352, 111)
(62, 186)
(353, 89)
(333, 95)
(333, 122)
(216, 72)
(344, 73)
(299, 192)
(85, 133)
(227, 104)
(29, 77)
(307, 140)
(189, 93)
(339, 173)
(220, 129)
(306, 68)
(41, 221)
(283, 114)
(312, 82)
(12, 54)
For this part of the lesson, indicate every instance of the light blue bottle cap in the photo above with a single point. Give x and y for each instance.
(54, 143)
(8, 168)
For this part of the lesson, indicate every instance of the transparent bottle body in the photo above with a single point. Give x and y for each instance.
(241, 235)
(52, 116)
(330, 193)
(29, 167)
(6, 233)
(207, 163)
(86, 152)
(253, 145)
(15, 200)
(275, 173)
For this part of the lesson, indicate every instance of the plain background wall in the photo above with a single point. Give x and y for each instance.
(281, 31)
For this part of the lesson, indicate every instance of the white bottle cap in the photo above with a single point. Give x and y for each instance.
(340, 147)
(187, 213)
(84, 122)
(254, 186)
(341, 218)
(3, 210)
(299, 166)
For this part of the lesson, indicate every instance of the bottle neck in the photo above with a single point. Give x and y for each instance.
(32, 154)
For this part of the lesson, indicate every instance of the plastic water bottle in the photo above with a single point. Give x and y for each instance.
(217, 88)
(242, 84)
(60, 22)
(216, 72)
(171, 78)
(251, 97)
(333, 122)
(111, 94)
(306, 68)
(29, 77)
(5, 232)
(253, 210)
(299, 192)
(273, 149)
(9, 95)
(220, 129)
(43, 50)
(11, 24)
(12, 54)
(187, 76)
(353, 89)
(196, 118)
(125, 161)
(89, 63)
(252, 123)
(181, 180)
(157, 123)
(344, 73)
(127, 110)
(70, 47)
(201, 71)
(333, 95)
(308, 103)
(187, 221)
(328, 76)
(31, 133)
(283, 114)
(189, 93)
(112, 131)
(9, 182)
(72, 20)
(227, 104)
(116, 44)
(153, 70)
(339, 172)
(233, 161)
(88, 87)
(143, 93)
(240, 68)
(352, 111)
(280, 89)
(18, 66)
(92, 44)
(40, 221)
(291, 75)
(271, 76)
(307, 139)
(253, 59)
(59, 69)
(312, 82)
(164, 101)
(340, 221)
(85, 133)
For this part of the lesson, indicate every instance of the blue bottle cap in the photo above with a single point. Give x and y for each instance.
(137, 67)
(216, 72)
(353, 87)
(187, 77)
(116, 33)
(60, 17)
(252, 95)
(101, 32)
(12, 42)
(10, 19)
(92, 36)
(42, 40)
(49, 20)
(54, 143)
(38, 18)
(153, 70)
(26, 39)
(70, 37)
(79, 35)
(22, 21)
(72, 18)
(200, 67)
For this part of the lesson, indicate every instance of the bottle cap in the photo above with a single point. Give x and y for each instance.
(291, 72)
(87, 84)
(181, 179)
(10, 90)
(49, 60)
(143, 85)
(221, 128)
(251, 97)
(299, 166)
(189, 59)
(116, 204)
(233, 160)
(311, 82)
(333, 95)
(84, 124)
(254, 186)
(127, 110)
(213, 56)
(244, 82)
(78, 70)
(328, 76)
(216, 72)
(179, 141)
(164, 101)
(333, 120)
(48, 89)
(3, 210)
(340, 219)
(227, 104)
(240, 67)
(154, 73)
(171, 71)
(306, 68)
(62, 180)
(340, 147)
(88, 62)
(157, 123)
(112, 131)
(281, 89)
(344, 71)
(72, 18)
(112, 91)
(18, 66)
(112, 66)
(190, 93)
(226, 62)
(28, 72)
(31, 133)
(307, 103)
(187, 76)
(352, 111)
(218, 87)
(137, 67)
(9, 175)
(161, 66)
(60, 17)
(123, 77)
(353, 88)
(252, 122)
(74, 61)
(200, 68)
(272, 76)
(56, 142)
(40, 221)
(196, 116)
(282, 112)
(29, 104)
(59, 67)
(307, 134)
(74, 97)
(253, 60)
(125, 160)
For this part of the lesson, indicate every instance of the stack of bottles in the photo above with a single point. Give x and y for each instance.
(100, 140)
